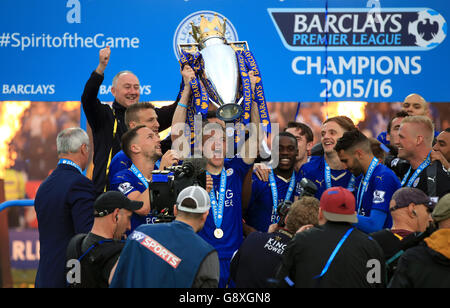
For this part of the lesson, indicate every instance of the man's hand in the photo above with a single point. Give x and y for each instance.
(437, 155)
(188, 74)
(104, 55)
(170, 158)
(262, 172)
(209, 183)
(304, 228)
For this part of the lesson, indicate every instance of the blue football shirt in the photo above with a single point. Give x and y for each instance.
(314, 170)
(259, 212)
(127, 182)
(382, 185)
(236, 170)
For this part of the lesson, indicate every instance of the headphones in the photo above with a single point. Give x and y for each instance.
(414, 213)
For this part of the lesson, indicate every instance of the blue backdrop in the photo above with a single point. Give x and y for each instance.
(357, 50)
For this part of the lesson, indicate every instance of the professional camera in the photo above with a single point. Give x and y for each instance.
(167, 184)
(307, 188)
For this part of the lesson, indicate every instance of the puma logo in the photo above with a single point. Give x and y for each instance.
(320, 182)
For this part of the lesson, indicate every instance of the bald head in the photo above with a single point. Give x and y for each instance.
(414, 104)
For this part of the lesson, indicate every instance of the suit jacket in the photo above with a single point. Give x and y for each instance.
(64, 207)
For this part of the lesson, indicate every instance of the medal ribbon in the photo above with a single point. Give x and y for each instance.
(365, 182)
(218, 207)
(273, 188)
(139, 175)
(422, 166)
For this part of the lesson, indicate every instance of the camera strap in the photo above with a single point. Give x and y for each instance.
(362, 188)
(274, 189)
(335, 251)
(139, 175)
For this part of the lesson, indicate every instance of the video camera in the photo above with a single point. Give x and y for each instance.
(307, 188)
(167, 184)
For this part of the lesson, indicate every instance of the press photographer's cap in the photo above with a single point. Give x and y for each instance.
(407, 195)
(338, 204)
(107, 202)
(201, 202)
(442, 210)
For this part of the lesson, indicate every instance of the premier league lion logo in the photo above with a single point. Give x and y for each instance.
(430, 29)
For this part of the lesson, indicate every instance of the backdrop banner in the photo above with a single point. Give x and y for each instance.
(376, 50)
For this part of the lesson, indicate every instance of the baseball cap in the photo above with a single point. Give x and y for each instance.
(442, 209)
(198, 195)
(338, 204)
(107, 202)
(407, 195)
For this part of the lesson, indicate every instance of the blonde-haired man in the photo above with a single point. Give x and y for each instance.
(415, 145)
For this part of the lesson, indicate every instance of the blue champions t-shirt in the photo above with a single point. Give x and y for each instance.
(314, 170)
(259, 212)
(127, 182)
(236, 169)
(382, 185)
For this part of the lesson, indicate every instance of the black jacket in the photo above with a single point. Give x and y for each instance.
(256, 262)
(425, 266)
(308, 253)
(101, 120)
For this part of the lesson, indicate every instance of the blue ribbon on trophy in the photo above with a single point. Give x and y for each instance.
(222, 77)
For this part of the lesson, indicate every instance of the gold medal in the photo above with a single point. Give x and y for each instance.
(218, 233)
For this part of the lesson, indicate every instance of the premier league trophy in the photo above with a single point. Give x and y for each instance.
(221, 69)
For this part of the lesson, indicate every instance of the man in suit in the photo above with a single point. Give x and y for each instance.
(64, 206)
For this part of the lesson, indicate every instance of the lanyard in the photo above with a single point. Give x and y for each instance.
(217, 207)
(350, 185)
(65, 161)
(335, 251)
(422, 166)
(273, 187)
(365, 182)
(139, 175)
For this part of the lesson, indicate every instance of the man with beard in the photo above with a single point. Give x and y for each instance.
(142, 146)
(267, 195)
(376, 183)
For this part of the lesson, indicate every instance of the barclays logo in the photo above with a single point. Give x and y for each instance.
(182, 33)
(348, 29)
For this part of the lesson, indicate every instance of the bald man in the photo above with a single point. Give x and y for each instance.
(414, 104)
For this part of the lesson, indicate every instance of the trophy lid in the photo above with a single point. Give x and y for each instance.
(208, 29)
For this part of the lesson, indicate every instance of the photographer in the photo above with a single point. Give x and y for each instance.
(171, 255)
(257, 260)
(410, 210)
(99, 250)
